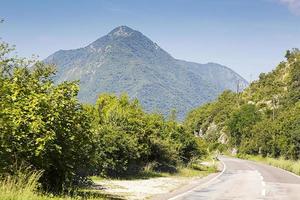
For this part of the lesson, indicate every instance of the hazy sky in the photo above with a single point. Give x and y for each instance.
(249, 36)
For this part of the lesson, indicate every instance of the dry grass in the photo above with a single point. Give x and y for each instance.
(289, 165)
(23, 186)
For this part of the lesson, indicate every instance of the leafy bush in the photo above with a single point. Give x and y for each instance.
(41, 125)
(240, 124)
(127, 138)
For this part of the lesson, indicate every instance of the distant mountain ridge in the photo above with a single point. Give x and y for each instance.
(125, 60)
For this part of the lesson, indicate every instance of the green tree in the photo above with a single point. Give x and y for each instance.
(241, 122)
(41, 125)
(128, 139)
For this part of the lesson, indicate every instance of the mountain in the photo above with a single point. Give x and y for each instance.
(125, 60)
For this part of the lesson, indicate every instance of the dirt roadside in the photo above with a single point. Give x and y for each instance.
(158, 188)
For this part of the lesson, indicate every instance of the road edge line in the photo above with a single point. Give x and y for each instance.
(214, 178)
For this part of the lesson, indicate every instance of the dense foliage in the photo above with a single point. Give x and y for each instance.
(127, 138)
(41, 124)
(264, 119)
(44, 127)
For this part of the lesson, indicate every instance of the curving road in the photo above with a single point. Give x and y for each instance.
(245, 180)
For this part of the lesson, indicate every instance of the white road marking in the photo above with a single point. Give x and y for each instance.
(263, 183)
(263, 192)
(211, 180)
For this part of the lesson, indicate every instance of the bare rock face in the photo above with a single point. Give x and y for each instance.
(223, 139)
(127, 61)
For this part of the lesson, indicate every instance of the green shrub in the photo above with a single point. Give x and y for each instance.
(127, 138)
(41, 125)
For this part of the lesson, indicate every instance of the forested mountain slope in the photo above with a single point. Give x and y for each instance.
(126, 61)
(263, 119)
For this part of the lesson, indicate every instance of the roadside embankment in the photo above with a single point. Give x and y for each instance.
(289, 165)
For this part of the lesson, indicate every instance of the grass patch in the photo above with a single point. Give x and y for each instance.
(194, 169)
(24, 186)
(141, 175)
(289, 165)
(190, 172)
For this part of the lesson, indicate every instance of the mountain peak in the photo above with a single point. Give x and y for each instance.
(125, 60)
(127, 40)
(122, 31)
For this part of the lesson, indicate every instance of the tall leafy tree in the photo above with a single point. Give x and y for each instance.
(41, 125)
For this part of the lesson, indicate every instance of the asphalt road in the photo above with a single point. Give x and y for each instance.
(245, 180)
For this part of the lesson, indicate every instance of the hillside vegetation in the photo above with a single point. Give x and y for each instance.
(45, 129)
(289, 165)
(125, 60)
(264, 119)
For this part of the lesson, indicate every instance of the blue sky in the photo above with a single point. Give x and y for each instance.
(249, 36)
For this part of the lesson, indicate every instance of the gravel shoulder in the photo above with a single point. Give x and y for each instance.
(153, 188)
(145, 189)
